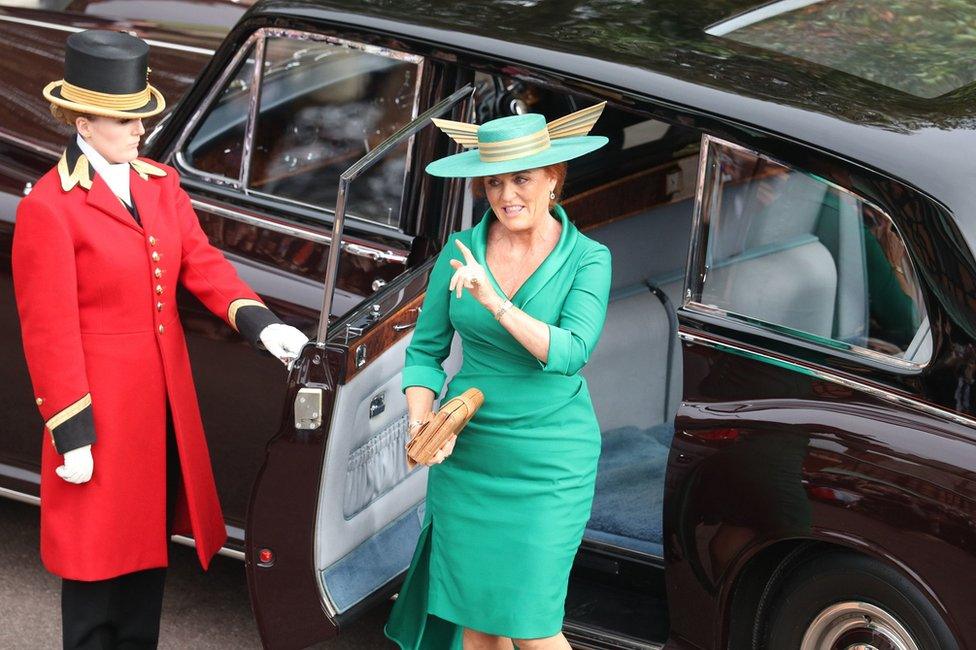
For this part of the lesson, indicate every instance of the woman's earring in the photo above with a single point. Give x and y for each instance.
(552, 196)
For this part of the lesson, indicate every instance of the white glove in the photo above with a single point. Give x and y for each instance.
(283, 341)
(78, 465)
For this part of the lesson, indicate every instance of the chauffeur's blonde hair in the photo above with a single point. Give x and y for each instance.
(66, 115)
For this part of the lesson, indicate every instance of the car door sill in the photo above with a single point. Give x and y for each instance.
(590, 638)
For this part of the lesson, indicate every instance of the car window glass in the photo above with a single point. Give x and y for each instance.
(217, 145)
(323, 106)
(789, 249)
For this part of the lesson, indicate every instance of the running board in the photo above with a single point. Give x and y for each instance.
(583, 637)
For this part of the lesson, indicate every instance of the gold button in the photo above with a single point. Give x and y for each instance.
(159, 306)
(155, 256)
(158, 272)
(40, 400)
(159, 289)
(152, 240)
(161, 328)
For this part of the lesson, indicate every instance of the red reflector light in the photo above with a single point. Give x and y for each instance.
(265, 556)
(718, 434)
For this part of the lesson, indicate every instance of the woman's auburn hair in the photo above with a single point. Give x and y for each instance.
(556, 171)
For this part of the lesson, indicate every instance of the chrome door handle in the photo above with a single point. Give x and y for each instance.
(400, 327)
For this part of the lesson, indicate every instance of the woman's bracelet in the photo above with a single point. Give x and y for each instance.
(501, 310)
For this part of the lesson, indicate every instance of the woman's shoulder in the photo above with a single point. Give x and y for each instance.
(590, 249)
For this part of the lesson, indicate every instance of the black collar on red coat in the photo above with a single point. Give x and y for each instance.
(74, 168)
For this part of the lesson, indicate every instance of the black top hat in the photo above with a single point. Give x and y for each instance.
(106, 73)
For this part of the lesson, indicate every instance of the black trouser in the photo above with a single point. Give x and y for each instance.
(121, 612)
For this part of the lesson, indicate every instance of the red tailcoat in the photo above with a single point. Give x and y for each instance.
(96, 294)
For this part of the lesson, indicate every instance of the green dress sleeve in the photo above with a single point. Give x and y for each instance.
(577, 331)
(434, 332)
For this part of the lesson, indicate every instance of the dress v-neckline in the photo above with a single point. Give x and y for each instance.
(542, 273)
(498, 285)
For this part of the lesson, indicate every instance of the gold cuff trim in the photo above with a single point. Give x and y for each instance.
(67, 413)
(237, 304)
(80, 175)
(126, 102)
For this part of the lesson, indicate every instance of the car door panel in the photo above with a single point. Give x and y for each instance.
(366, 464)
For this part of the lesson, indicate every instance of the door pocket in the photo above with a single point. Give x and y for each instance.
(375, 467)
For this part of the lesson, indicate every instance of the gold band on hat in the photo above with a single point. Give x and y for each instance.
(111, 101)
(526, 145)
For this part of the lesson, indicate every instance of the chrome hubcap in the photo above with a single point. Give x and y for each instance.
(856, 626)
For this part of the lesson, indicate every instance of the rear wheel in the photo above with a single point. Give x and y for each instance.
(842, 601)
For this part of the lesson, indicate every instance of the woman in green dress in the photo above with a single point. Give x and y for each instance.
(508, 499)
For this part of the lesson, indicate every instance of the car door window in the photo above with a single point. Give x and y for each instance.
(215, 149)
(791, 251)
(323, 105)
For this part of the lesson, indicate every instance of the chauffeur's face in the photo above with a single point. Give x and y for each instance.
(116, 139)
(520, 200)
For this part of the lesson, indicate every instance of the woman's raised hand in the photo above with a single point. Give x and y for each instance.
(471, 276)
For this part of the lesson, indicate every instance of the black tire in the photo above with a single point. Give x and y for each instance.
(837, 577)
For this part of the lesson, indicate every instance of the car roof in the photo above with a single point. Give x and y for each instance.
(660, 49)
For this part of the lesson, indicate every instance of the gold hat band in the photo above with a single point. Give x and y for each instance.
(106, 100)
(526, 145)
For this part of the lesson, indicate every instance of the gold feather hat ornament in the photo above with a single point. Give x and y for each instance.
(517, 142)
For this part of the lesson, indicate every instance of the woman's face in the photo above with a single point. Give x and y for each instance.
(117, 139)
(520, 200)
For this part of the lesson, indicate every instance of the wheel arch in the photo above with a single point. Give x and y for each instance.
(761, 572)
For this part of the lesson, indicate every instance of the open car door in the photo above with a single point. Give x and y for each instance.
(334, 514)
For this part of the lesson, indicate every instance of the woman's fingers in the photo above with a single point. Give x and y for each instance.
(468, 257)
(465, 275)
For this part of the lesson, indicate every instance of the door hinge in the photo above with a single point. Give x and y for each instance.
(308, 408)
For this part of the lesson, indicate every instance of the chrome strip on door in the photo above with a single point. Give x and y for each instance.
(870, 389)
(68, 28)
(297, 231)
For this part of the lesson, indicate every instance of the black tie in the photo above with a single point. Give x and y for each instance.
(132, 210)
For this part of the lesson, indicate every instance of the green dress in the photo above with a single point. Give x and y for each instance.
(506, 511)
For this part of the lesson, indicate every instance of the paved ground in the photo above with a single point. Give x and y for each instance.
(200, 610)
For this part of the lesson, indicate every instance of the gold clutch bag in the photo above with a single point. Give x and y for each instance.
(446, 422)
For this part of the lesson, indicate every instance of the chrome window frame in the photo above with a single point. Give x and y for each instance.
(196, 118)
(258, 41)
(697, 271)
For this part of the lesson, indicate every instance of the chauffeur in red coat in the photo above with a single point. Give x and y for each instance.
(99, 246)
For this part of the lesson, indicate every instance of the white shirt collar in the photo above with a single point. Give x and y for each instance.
(115, 175)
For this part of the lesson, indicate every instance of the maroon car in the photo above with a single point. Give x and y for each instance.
(785, 379)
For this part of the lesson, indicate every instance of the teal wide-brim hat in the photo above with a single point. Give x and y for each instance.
(518, 142)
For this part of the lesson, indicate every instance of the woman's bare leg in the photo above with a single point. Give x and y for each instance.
(556, 642)
(474, 640)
